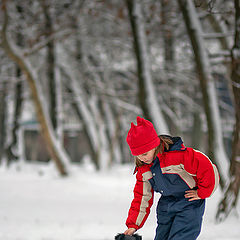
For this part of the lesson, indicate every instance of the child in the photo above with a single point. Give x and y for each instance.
(183, 176)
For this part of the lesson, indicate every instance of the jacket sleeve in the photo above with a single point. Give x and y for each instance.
(142, 202)
(199, 165)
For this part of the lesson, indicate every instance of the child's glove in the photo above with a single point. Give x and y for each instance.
(128, 237)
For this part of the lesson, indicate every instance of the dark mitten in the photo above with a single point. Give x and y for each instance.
(128, 237)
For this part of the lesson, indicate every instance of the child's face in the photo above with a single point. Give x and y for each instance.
(147, 157)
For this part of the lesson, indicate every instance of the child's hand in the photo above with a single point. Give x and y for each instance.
(130, 231)
(192, 195)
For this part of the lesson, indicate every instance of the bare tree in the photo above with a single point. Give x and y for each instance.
(102, 83)
(215, 139)
(168, 34)
(147, 93)
(11, 148)
(50, 64)
(56, 152)
(3, 90)
(230, 199)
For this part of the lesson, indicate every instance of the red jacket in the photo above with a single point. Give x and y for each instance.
(171, 174)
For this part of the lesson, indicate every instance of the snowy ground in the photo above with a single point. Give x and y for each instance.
(36, 204)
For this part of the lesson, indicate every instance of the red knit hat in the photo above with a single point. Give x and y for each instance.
(143, 137)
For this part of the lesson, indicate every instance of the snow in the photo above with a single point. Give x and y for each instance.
(37, 204)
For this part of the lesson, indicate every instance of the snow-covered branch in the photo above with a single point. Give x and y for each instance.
(217, 35)
(59, 36)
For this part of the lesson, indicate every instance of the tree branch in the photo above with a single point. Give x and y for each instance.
(60, 35)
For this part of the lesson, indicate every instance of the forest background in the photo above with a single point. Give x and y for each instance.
(74, 74)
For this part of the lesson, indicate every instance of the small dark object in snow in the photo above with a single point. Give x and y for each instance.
(128, 237)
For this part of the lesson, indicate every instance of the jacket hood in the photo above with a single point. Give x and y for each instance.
(177, 144)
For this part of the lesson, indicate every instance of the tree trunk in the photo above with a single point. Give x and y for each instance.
(230, 198)
(3, 113)
(147, 95)
(76, 108)
(50, 64)
(168, 38)
(56, 152)
(59, 108)
(102, 112)
(219, 27)
(82, 106)
(88, 65)
(12, 146)
(167, 9)
(197, 130)
(216, 150)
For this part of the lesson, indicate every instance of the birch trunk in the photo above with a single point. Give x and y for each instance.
(216, 149)
(56, 151)
(230, 199)
(147, 94)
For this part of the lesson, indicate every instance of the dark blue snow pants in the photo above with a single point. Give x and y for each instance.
(179, 219)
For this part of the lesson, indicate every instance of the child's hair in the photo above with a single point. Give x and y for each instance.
(164, 144)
